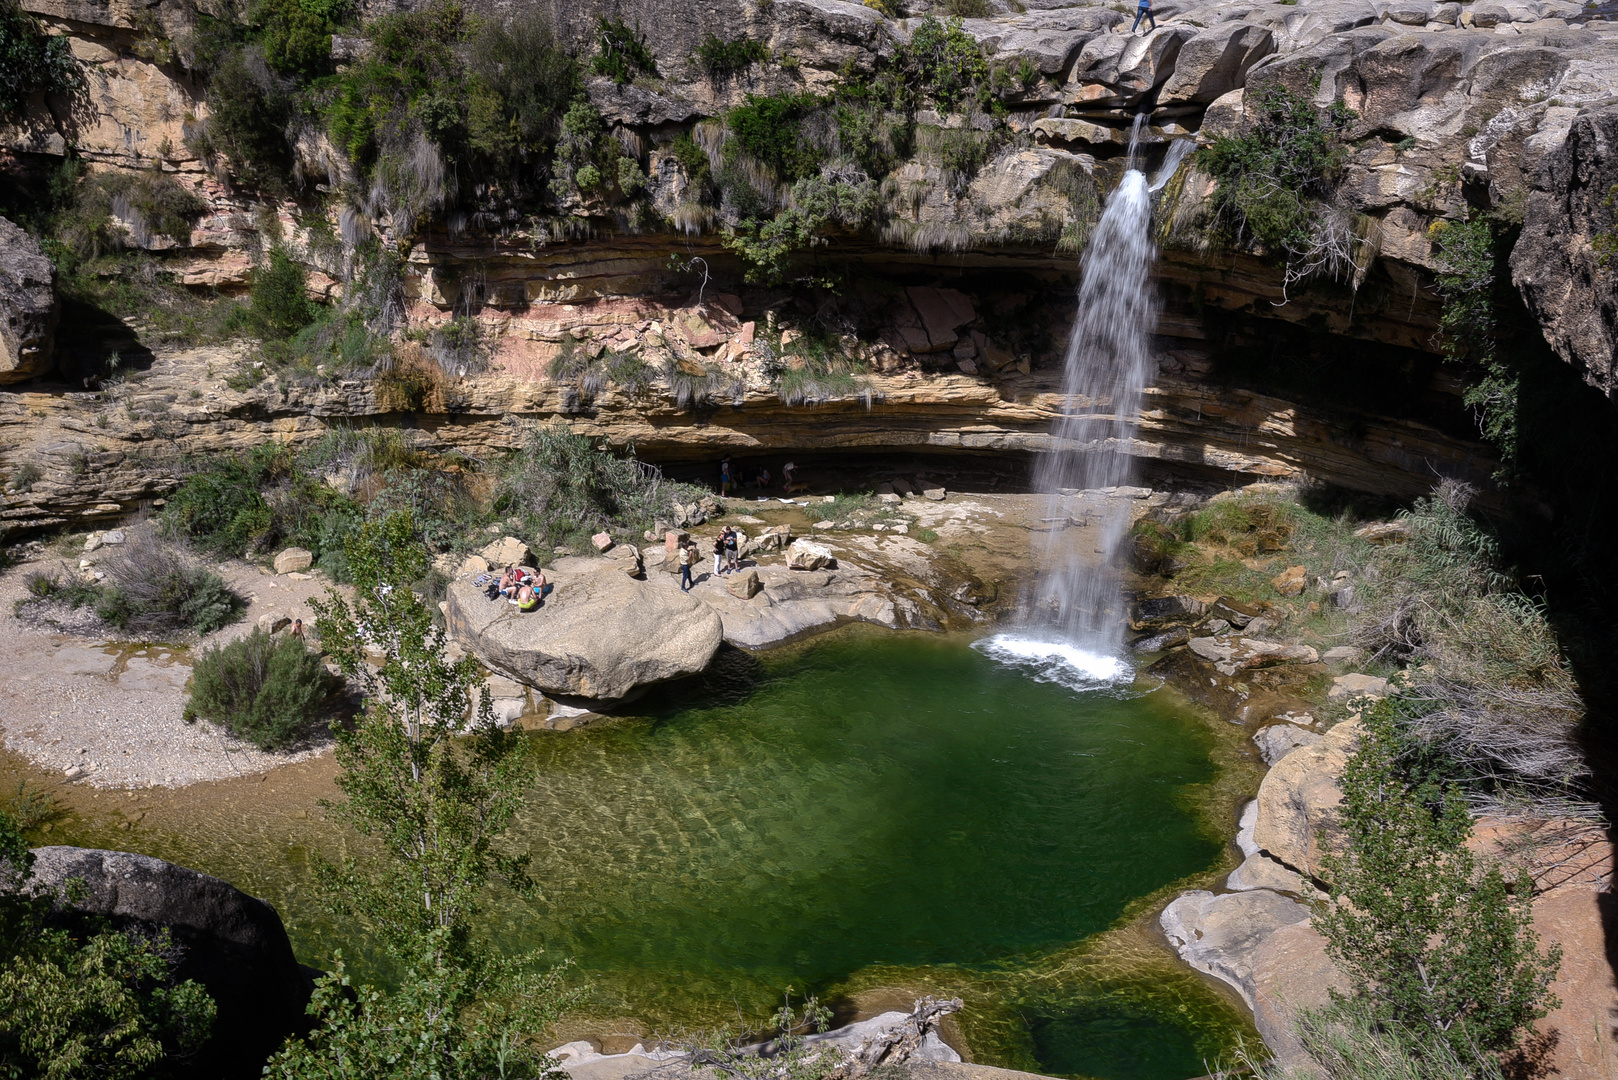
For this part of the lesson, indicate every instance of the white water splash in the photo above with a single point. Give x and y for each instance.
(1057, 662)
(1179, 150)
(1108, 361)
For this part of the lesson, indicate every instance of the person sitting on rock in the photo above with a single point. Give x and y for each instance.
(531, 591)
(762, 480)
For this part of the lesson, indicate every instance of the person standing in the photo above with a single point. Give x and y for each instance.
(733, 561)
(688, 554)
(724, 475)
(1144, 12)
(718, 554)
(786, 477)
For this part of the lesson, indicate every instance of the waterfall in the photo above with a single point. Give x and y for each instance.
(1075, 619)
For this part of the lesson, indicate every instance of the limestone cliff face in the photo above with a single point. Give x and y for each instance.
(1566, 263)
(962, 297)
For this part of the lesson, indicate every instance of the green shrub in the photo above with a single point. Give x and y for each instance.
(296, 34)
(32, 807)
(720, 59)
(947, 62)
(279, 304)
(249, 108)
(522, 81)
(156, 588)
(692, 158)
(1466, 281)
(89, 999)
(621, 53)
(590, 163)
(563, 488)
(770, 129)
(1433, 943)
(1272, 177)
(267, 689)
(33, 62)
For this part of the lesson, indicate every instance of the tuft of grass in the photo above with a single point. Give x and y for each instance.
(32, 807)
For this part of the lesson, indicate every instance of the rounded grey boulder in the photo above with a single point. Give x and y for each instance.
(600, 633)
(230, 942)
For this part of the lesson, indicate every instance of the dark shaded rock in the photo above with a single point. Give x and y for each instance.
(1557, 263)
(28, 306)
(1233, 611)
(1164, 611)
(231, 943)
(1168, 639)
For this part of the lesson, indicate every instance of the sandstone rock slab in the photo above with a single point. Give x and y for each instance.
(1278, 740)
(600, 634)
(1221, 934)
(1357, 686)
(1161, 611)
(293, 559)
(1232, 654)
(1298, 799)
(508, 551)
(808, 555)
(1215, 62)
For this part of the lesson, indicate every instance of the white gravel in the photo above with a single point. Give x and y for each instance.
(113, 708)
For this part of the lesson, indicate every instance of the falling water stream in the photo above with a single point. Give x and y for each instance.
(1074, 619)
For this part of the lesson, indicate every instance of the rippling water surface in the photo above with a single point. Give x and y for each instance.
(872, 811)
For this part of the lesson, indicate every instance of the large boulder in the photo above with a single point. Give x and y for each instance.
(1565, 263)
(1298, 799)
(1215, 62)
(231, 943)
(28, 306)
(1221, 935)
(600, 634)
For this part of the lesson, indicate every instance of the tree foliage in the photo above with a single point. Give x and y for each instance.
(89, 1001)
(434, 782)
(1433, 941)
(33, 62)
(1273, 176)
(1468, 329)
(621, 52)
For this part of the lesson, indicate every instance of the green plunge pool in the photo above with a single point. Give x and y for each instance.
(871, 813)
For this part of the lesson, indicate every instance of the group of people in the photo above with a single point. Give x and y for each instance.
(729, 477)
(726, 556)
(520, 585)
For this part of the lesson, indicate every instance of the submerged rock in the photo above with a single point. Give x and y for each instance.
(231, 943)
(600, 634)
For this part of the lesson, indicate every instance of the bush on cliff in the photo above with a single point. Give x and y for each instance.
(1274, 181)
(93, 1001)
(34, 62)
(436, 800)
(1433, 942)
(564, 489)
(267, 689)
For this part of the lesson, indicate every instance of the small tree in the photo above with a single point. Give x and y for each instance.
(429, 775)
(89, 1002)
(1430, 941)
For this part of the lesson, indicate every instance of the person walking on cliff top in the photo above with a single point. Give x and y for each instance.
(1144, 12)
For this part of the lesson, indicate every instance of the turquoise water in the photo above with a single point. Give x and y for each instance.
(871, 813)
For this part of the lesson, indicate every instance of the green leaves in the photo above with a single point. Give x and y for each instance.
(32, 62)
(96, 1003)
(1431, 940)
(621, 53)
(1271, 177)
(266, 689)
